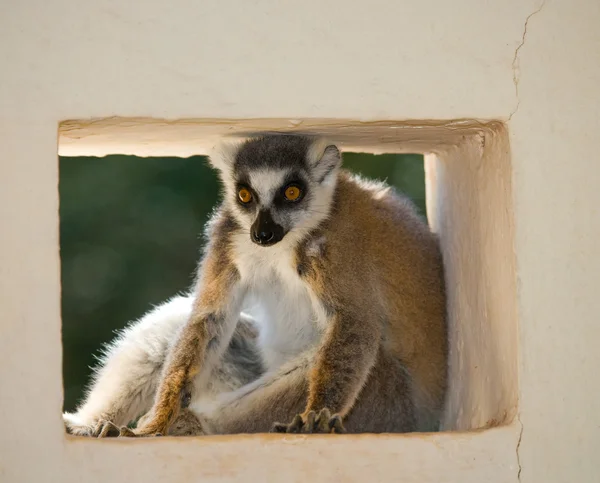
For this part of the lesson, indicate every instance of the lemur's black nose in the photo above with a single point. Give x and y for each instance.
(265, 231)
(263, 236)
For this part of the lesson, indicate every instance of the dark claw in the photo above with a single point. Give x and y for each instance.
(279, 428)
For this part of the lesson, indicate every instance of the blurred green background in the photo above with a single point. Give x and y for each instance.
(130, 238)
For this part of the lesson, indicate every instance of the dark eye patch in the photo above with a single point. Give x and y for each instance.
(241, 184)
(292, 179)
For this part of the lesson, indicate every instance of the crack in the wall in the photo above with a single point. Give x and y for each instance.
(515, 62)
(519, 447)
(516, 78)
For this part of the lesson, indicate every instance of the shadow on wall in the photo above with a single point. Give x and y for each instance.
(131, 235)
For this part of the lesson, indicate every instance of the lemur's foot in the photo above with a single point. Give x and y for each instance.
(77, 427)
(148, 432)
(108, 429)
(312, 423)
(125, 432)
(186, 424)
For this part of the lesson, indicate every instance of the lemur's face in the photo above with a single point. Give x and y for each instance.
(279, 185)
(272, 202)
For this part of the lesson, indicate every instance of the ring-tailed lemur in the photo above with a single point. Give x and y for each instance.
(344, 285)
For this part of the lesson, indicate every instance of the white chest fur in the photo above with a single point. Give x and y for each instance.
(289, 316)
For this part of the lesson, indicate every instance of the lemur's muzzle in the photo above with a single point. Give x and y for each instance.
(265, 232)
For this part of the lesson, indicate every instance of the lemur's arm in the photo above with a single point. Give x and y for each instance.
(345, 357)
(202, 340)
(344, 360)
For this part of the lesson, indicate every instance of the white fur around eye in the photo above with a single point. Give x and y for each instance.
(266, 183)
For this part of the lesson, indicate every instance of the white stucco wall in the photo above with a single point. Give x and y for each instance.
(361, 61)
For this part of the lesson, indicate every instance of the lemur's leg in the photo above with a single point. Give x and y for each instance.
(343, 361)
(126, 380)
(384, 403)
(203, 339)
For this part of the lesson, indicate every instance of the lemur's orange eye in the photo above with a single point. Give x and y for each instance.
(292, 193)
(245, 195)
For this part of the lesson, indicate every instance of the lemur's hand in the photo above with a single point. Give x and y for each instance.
(312, 422)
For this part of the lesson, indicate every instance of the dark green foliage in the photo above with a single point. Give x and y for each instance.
(130, 236)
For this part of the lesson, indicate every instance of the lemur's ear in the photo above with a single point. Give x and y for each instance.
(324, 158)
(222, 156)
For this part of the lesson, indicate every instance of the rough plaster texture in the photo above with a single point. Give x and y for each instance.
(469, 205)
(365, 61)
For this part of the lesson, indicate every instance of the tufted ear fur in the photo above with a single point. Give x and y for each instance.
(324, 159)
(222, 156)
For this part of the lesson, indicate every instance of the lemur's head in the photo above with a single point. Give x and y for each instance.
(278, 185)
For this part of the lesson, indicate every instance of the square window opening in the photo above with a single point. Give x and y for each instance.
(130, 226)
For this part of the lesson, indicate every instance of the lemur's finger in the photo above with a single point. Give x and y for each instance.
(335, 424)
(98, 428)
(309, 424)
(125, 432)
(296, 425)
(109, 430)
(322, 422)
